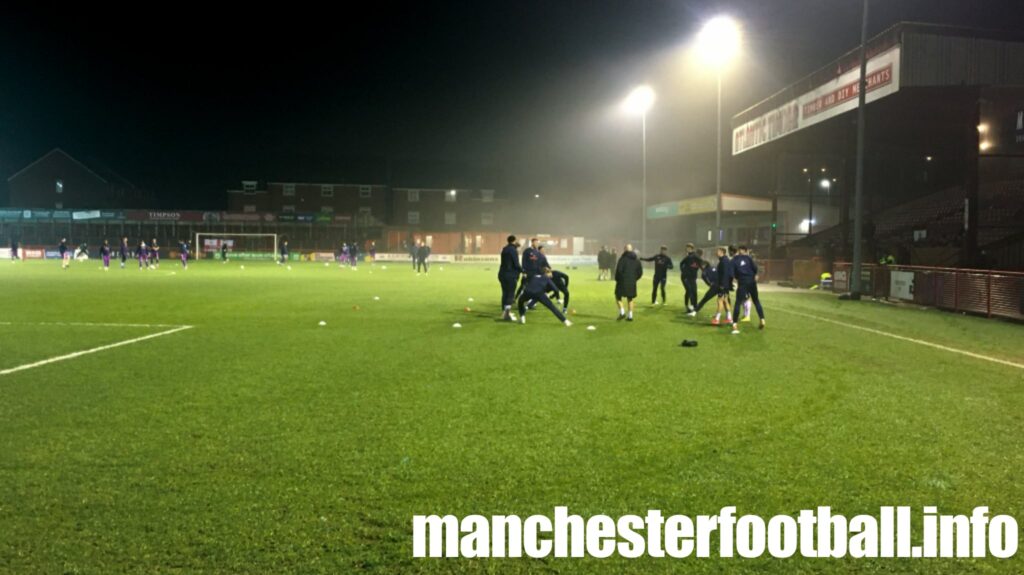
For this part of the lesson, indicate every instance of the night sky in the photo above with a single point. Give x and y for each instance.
(520, 96)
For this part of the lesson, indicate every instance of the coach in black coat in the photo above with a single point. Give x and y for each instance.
(628, 271)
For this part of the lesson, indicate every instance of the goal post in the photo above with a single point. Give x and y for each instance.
(239, 246)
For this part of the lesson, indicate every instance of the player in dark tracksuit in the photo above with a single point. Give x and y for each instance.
(284, 253)
(662, 263)
(422, 257)
(542, 258)
(508, 275)
(561, 281)
(142, 254)
(745, 270)
(124, 251)
(531, 265)
(725, 279)
(536, 289)
(105, 254)
(708, 273)
(65, 255)
(689, 269)
(154, 254)
(183, 248)
(628, 271)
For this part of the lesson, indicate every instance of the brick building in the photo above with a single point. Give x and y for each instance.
(366, 204)
(370, 205)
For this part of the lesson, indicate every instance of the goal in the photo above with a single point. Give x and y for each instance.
(239, 246)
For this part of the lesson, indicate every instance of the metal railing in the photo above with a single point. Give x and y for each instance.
(991, 293)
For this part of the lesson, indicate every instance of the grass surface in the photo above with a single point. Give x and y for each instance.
(259, 442)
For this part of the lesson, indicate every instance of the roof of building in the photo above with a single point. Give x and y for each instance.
(888, 38)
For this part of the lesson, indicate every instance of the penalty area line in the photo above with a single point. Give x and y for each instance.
(93, 350)
(905, 338)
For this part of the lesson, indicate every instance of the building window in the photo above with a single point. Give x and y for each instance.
(288, 209)
(450, 196)
(365, 191)
(414, 195)
(486, 218)
(59, 205)
(327, 209)
(487, 195)
(60, 186)
(449, 218)
(327, 191)
(365, 212)
(288, 190)
(249, 186)
(413, 218)
(249, 208)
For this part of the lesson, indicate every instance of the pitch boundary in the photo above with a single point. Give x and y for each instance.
(905, 338)
(73, 355)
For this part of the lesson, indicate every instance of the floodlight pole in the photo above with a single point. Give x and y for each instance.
(718, 165)
(643, 220)
(858, 195)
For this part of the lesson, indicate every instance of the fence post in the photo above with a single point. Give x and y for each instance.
(956, 291)
(988, 297)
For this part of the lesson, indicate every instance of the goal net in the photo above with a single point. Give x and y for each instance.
(235, 246)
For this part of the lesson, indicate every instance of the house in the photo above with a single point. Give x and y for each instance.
(59, 181)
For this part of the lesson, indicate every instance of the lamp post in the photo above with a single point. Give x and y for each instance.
(639, 102)
(718, 43)
(858, 194)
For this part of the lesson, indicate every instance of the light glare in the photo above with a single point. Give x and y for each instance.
(639, 101)
(718, 42)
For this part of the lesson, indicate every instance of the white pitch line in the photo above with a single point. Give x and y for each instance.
(90, 324)
(905, 338)
(93, 350)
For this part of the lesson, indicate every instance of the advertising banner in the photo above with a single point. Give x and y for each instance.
(252, 256)
(246, 217)
(38, 214)
(554, 260)
(214, 244)
(822, 103)
(86, 215)
(164, 216)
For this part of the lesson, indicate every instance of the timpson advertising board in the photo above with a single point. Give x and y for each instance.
(824, 102)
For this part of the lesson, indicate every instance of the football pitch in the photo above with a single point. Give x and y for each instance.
(202, 421)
